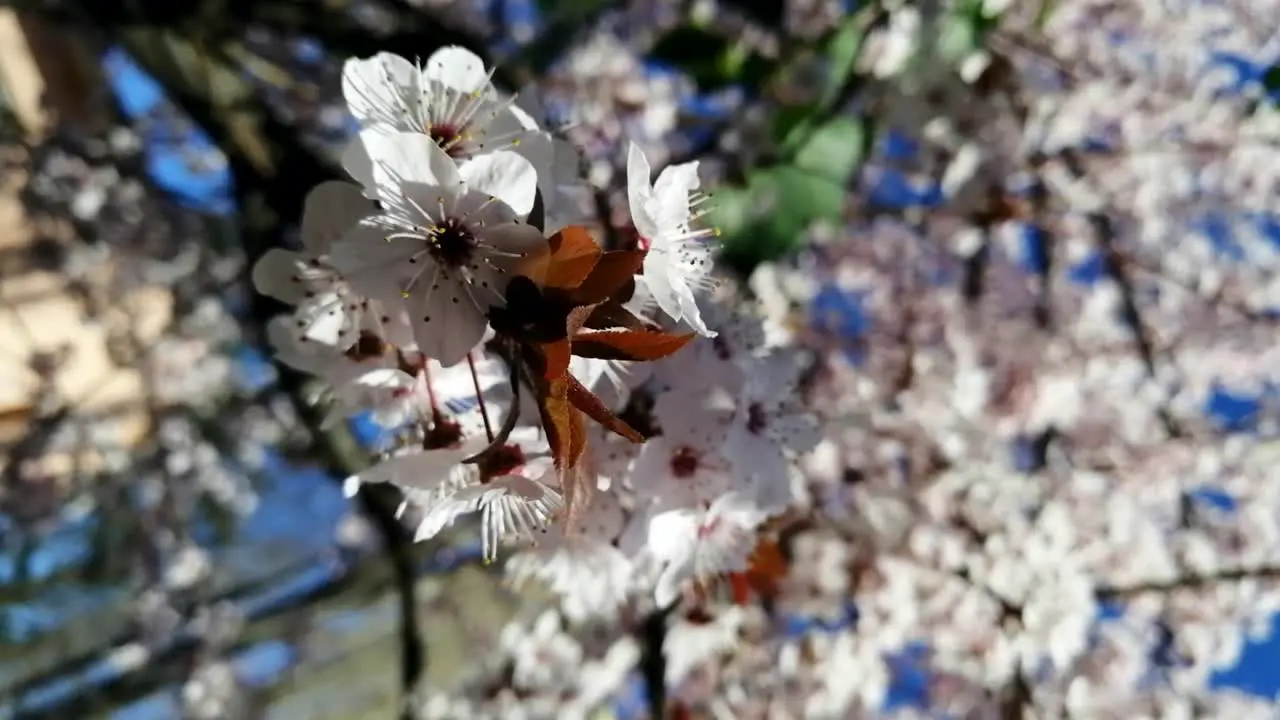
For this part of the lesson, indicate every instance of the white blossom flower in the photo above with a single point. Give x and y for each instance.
(450, 98)
(690, 543)
(678, 263)
(686, 461)
(446, 240)
(514, 492)
(544, 655)
(581, 565)
(689, 644)
(392, 396)
(419, 470)
(715, 361)
(332, 365)
(770, 421)
(328, 310)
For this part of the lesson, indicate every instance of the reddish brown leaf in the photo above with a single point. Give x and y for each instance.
(567, 434)
(555, 358)
(574, 254)
(766, 569)
(577, 318)
(628, 344)
(558, 421)
(577, 483)
(577, 428)
(611, 316)
(586, 401)
(611, 275)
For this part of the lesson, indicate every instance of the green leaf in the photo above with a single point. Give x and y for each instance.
(838, 54)
(963, 30)
(834, 150)
(792, 125)
(767, 219)
(842, 51)
(731, 211)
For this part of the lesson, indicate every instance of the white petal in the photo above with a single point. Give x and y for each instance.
(503, 174)
(738, 510)
(456, 68)
(286, 348)
(640, 192)
(374, 88)
(690, 313)
(564, 192)
(763, 462)
(407, 157)
(441, 515)
(274, 273)
(395, 329)
(330, 210)
(772, 377)
(421, 470)
(514, 238)
(447, 323)
(671, 193)
(371, 264)
(374, 386)
(800, 433)
(509, 128)
(527, 108)
(350, 487)
(677, 180)
(673, 534)
(358, 164)
(539, 150)
(667, 590)
(673, 540)
(652, 466)
(324, 319)
(657, 281)
(454, 383)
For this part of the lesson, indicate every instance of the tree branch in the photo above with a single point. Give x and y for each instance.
(272, 173)
(653, 661)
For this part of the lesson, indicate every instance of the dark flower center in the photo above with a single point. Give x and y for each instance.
(448, 136)
(443, 433)
(452, 243)
(757, 419)
(500, 461)
(369, 346)
(684, 462)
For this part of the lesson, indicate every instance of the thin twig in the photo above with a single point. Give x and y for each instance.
(484, 411)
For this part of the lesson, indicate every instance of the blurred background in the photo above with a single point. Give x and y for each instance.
(174, 541)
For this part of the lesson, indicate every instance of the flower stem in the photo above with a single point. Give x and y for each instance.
(484, 411)
(436, 416)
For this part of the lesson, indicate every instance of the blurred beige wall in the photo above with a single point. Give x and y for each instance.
(49, 78)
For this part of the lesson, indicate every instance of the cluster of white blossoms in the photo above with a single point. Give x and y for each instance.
(1020, 471)
(603, 414)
